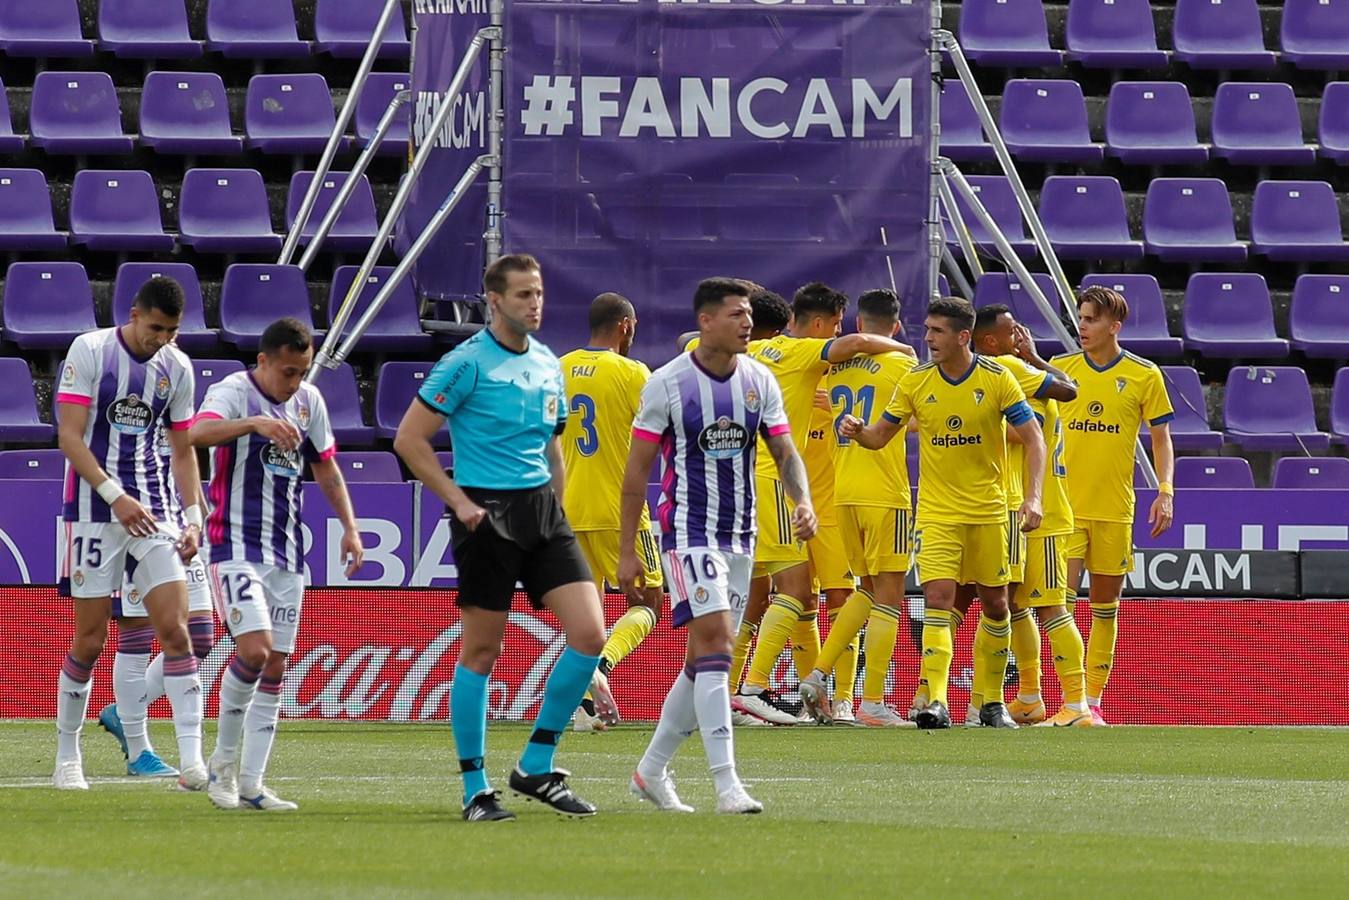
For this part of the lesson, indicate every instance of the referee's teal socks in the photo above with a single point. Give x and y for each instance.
(561, 695)
(468, 722)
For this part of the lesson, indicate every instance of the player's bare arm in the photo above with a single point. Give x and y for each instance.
(1062, 388)
(1164, 459)
(1031, 509)
(792, 471)
(70, 438)
(413, 445)
(632, 499)
(556, 468)
(213, 431)
(874, 436)
(329, 478)
(851, 345)
(183, 461)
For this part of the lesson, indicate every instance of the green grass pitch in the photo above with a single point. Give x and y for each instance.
(1125, 812)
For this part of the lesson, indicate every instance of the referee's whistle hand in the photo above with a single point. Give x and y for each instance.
(804, 522)
(470, 513)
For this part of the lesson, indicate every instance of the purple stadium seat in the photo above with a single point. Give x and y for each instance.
(193, 335)
(47, 304)
(1318, 320)
(1258, 124)
(343, 28)
(26, 212)
(146, 29)
(1339, 407)
(1113, 34)
(49, 28)
(1270, 408)
(1145, 332)
(1231, 473)
(212, 371)
(187, 113)
(997, 287)
(1152, 123)
(253, 29)
(1045, 120)
(1007, 33)
(770, 206)
(355, 228)
(1220, 34)
(398, 383)
(370, 466)
(1190, 220)
(1085, 218)
(379, 92)
(397, 327)
(1315, 33)
(344, 406)
(1189, 429)
(77, 113)
(1324, 473)
(46, 465)
(962, 137)
(19, 422)
(116, 210)
(226, 211)
(9, 141)
(1297, 221)
(1333, 128)
(995, 193)
(254, 295)
(1229, 315)
(289, 114)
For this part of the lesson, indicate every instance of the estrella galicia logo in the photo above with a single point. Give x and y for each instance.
(1095, 408)
(280, 463)
(723, 439)
(954, 423)
(131, 416)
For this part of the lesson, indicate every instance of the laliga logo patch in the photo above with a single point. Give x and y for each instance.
(162, 387)
(723, 439)
(954, 423)
(752, 400)
(1095, 408)
(131, 416)
(978, 396)
(700, 595)
(68, 374)
(303, 416)
(1120, 384)
(279, 462)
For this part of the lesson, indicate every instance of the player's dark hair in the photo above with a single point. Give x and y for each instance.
(986, 317)
(607, 310)
(162, 294)
(494, 279)
(1108, 302)
(956, 310)
(714, 291)
(879, 305)
(818, 299)
(285, 334)
(770, 311)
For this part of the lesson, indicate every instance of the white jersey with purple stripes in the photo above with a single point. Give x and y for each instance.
(255, 487)
(706, 427)
(128, 399)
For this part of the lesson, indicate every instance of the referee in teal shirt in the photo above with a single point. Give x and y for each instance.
(501, 393)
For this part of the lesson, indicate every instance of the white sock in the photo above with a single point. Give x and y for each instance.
(1028, 698)
(154, 680)
(183, 687)
(235, 697)
(712, 700)
(678, 720)
(72, 702)
(128, 687)
(1094, 701)
(259, 732)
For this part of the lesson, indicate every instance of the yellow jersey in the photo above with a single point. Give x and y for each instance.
(1101, 427)
(819, 460)
(961, 438)
(859, 387)
(1033, 383)
(1054, 502)
(604, 390)
(798, 364)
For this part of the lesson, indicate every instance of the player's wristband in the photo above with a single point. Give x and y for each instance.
(1166, 488)
(110, 491)
(192, 516)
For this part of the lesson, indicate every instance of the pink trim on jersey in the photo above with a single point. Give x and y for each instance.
(72, 480)
(203, 416)
(182, 426)
(643, 435)
(775, 430)
(77, 399)
(215, 523)
(328, 454)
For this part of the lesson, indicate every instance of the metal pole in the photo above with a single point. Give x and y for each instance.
(959, 281)
(935, 238)
(967, 248)
(330, 341)
(349, 186)
(335, 139)
(1028, 212)
(496, 123)
(409, 259)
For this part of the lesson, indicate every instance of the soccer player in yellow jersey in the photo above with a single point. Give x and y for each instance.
(799, 362)
(1117, 393)
(960, 400)
(873, 508)
(603, 389)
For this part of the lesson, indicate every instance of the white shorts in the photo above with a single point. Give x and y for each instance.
(703, 580)
(127, 603)
(95, 558)
(256, 597)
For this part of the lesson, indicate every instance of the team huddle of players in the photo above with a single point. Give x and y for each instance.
(1025, 482)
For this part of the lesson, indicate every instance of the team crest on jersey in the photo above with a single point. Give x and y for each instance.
(78, 578)
(279, 462)
(236, 617)
(723, 439)
(1095, 408)
(1120, 385)
(700, 595)
(130, 415)
(303, 416)
(954, 423)
(752, 400)
(162, 387)
(133, 597)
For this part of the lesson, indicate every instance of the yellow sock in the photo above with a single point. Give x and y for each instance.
(845, 667)
(1066, 644)
(1101, 648)
(806, 643)
(937, 652)
(1026, 649)
(997, 647)
(774, 631)
(744, 639)
(979, 653)
(879, 644)
(845, 623)
(921, 696)
(629, 631)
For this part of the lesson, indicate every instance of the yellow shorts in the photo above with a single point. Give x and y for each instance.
(600, 549)
(1106, 548)
(1046, 576)
(829, 559)
(1016, 548)
(878, 541)
(776, 547)
(965, 554)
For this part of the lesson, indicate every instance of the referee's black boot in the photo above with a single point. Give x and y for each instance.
(995, 715)
(933, 716)
(486, 807)
(551, 789)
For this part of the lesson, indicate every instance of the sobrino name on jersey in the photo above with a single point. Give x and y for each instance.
(130, 415)
(723, 439)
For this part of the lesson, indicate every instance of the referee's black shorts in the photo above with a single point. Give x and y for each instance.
(523, 538)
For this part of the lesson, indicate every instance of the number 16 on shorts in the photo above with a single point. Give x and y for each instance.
(706, 580)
